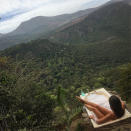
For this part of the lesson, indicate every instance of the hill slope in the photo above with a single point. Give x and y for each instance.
(36, 69)
(1, 34)
(37, 27)
(109, 22)
(43, 24)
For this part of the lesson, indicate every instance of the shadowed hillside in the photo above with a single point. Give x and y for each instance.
(108, 23)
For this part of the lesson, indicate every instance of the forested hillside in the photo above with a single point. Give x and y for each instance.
(34, 74)
(111, 22)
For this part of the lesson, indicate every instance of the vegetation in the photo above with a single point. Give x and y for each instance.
(111, 22)
(120, 79)
(39, 81)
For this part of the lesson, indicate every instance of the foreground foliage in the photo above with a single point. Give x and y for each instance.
(39, 81)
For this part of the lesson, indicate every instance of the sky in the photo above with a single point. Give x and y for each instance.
(14, 12)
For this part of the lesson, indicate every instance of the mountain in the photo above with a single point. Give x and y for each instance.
(32, 49)
(115, 1)
(121, 1)
(43, 24)
(38, 27)
(110, 22)
(128, 1)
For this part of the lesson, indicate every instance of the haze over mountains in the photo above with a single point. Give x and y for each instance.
(91, 25)
(43, 24)
(39, 26)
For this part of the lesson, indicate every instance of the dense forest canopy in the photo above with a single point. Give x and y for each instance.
(32, 73)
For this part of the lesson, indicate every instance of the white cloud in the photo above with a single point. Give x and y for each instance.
(35, 8)
(10, 5)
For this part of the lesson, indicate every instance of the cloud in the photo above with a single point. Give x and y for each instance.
(14, 12)
(7, 6)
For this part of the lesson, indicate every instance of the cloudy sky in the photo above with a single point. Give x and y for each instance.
(13, 12)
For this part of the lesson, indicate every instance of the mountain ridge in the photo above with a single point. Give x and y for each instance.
(62, 23)
(109, 22)
(38, 27)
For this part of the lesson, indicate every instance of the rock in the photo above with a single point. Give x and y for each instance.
(84, 115)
